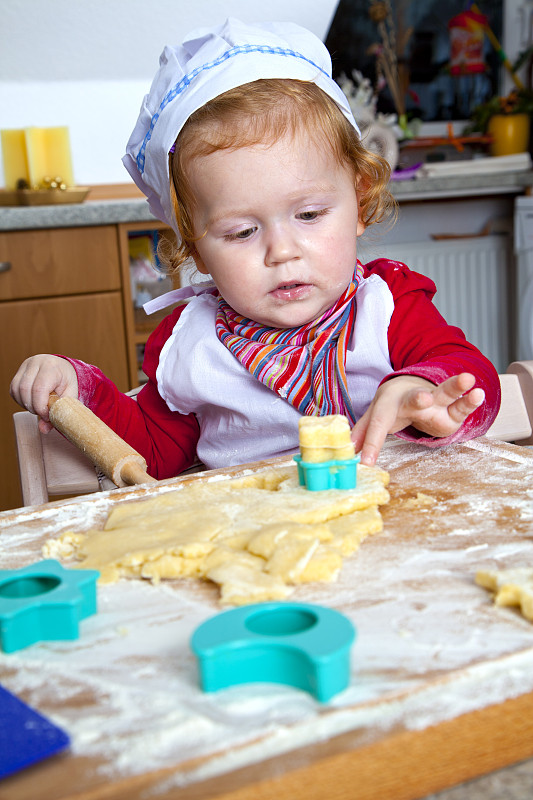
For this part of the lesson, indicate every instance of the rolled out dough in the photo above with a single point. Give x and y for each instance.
(256, 536)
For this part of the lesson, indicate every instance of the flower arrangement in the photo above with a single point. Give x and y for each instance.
(362, 97)
(381, 132)
(390, 55)
(518, 101)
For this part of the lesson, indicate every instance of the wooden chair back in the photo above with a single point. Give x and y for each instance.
(50, 466)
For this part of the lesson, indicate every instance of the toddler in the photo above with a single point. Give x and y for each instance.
(248, 149)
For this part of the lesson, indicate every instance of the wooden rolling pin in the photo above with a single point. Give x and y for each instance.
(111, 454)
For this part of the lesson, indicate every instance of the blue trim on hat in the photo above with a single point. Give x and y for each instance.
(180, 87)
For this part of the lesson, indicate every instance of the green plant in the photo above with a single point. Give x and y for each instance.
(518, 101)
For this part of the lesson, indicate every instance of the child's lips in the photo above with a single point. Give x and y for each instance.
(292, 291)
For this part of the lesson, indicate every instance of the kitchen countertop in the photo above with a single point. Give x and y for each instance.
(102, 212)
(110, 212)
(449, 186)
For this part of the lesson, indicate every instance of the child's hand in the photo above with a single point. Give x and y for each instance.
(36, 378)
(407, 400)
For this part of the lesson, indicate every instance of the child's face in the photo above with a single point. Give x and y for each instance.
(281, 227)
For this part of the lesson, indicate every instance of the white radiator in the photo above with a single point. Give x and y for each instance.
(472, 278)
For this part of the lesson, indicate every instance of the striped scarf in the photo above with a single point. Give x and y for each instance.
(304, 365)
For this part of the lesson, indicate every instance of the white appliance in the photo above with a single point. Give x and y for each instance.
(523, 246)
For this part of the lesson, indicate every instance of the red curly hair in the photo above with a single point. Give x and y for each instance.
(267, 110)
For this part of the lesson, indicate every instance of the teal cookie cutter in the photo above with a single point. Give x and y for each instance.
(302, 645)
(334, 474)
(44, 602)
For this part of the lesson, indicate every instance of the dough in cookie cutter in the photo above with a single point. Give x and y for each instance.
(302, 645)
(327, 457)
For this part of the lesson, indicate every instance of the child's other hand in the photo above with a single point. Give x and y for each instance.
(36, 378)
(407, 400)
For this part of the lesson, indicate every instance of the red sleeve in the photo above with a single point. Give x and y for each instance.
(165, 438)
(421, 343)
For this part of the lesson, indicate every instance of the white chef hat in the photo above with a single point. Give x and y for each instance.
(208, 63)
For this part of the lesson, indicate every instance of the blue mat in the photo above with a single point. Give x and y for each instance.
(26, 737)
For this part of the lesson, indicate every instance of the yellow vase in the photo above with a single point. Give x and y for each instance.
(510, 134)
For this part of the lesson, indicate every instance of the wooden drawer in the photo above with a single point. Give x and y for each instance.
(58, 261)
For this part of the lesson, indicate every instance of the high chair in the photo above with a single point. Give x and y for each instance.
(514, 422)
(49, 465)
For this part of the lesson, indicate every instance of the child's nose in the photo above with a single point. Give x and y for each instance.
(281, 246)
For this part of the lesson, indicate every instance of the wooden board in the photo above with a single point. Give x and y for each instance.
(442, 681)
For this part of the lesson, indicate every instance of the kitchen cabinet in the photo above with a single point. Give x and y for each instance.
(138, 324)
(65, 291)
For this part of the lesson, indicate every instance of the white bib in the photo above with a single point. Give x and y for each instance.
(240, 419)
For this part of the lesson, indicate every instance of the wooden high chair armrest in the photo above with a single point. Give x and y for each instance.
(30, 458)
(524, 372)
(514, 422)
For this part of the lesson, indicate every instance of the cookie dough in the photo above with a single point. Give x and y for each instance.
(256, 537)
(511, 587)
(325, 438)
(420, 501)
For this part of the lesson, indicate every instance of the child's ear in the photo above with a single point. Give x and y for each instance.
(361, 227)
(200, 266)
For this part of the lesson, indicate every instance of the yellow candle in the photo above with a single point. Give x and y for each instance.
(14, 157)
(48, 151)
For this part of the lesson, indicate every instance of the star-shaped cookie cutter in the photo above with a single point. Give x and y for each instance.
(318, 476)
(44, 602)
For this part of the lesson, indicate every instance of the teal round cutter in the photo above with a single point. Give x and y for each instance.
(302, 645)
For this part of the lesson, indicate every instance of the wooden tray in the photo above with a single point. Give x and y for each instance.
(442, 681)
(43, 197)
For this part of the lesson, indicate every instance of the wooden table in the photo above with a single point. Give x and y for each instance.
(442, 680)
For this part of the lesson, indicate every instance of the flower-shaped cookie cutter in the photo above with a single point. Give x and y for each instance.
(335, 474)
(44, 602)
(302, 645)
